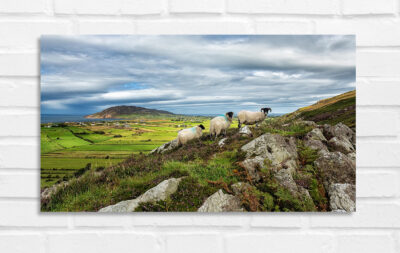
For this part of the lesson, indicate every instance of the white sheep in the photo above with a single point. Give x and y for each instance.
(220, 123)
(188, 134)
(251, 118)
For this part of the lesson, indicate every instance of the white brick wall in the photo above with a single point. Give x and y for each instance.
(375, 227)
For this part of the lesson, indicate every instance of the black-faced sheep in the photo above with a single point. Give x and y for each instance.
(220, 123)
(188, 134)
(251, 118)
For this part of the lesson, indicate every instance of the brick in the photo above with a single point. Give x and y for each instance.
(283, 27)
(276, 220)
(378, 93)
(142, 7)
(87, 7)
(368, 7)
(193, 243)
(226, 220)
(374, 32)
(104, 242)
(10, 156)
(318, 7)
(20, 125)
(377, 184)
(200, 6)
(378, 63)
(99, 220)
(192, 27)
(369, 123)
(365, 243)
(278, 242)
(31, 243)
(26, 33)
(20, 185)
(22, 6)
(19, 92)
(19, 64)
(27, 214)
(157, 220)
(378, 154)
(106, 27)
(368, 215)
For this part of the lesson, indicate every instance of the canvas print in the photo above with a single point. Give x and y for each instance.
(198, 123)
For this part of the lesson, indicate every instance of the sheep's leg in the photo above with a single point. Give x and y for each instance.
(239, 124)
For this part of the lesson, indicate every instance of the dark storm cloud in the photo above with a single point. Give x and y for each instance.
(193, 74)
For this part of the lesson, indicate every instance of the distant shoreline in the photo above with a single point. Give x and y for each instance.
(62, 118)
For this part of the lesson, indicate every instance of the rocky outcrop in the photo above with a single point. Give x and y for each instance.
(252, 165)
(285, 179)
(165, 147)
(277, 151)
(336, 167)
(339, 130)
(342, 197)
(245, 131)
(341, 144)
(157, 193)
(316, 140)
(221, 202)
(46, 194)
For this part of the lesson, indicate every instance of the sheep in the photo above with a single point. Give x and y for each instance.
(220, 123)
(250, 118)
(188, 134)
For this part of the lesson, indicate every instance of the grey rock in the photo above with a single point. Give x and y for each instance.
(252, 165)
(308, 123)
(335, 168)
(245, 131)
(316, 145)
(240, 187)
(342, 197)
(221, 202)
(165, 147)
(285, 179)
(281, 152)
(48, 192)
(337, 130)
(341, 144)
(159, 192)
(221, 143)
(316, 134)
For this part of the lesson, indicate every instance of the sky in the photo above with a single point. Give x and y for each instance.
(207, 74)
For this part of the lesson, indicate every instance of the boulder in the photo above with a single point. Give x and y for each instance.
(252, 165)
(315, 134)
(281, 152)
(245, 131)
(352, 156)
(336, 167)
(157, 193)
(285, 179)
(221, 143)
(341, 144)
(339, 130)
(316, 145)
(240, 187)
(342, 197)
(308, 123)
(165, 147)
(221, 202)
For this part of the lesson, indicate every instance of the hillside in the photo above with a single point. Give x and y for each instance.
(341, 108)
(124, 111)
(285, 164)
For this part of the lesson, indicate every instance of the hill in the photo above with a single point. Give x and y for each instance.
(285, 164)
(341, 108)
(124, 111)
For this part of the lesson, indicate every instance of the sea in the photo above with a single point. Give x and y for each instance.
(61, 118)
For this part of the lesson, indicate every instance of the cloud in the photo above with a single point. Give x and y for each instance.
(193, 74)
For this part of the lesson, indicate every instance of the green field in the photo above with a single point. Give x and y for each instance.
(70, 147)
